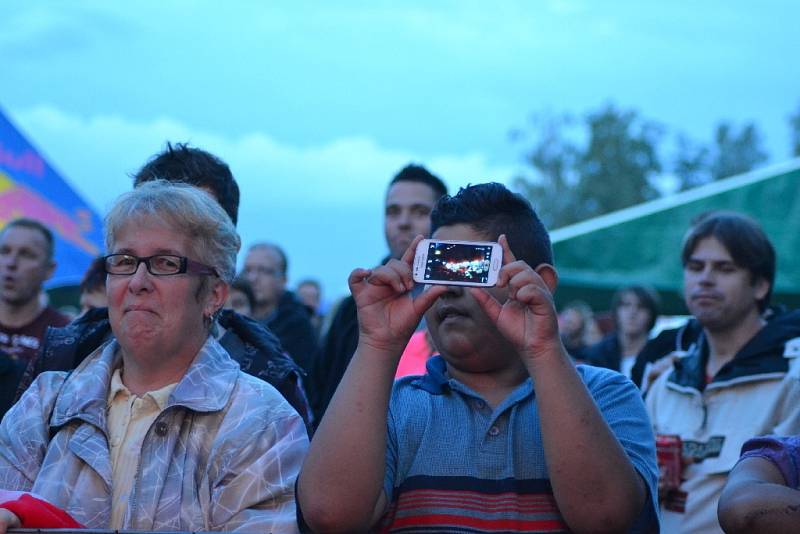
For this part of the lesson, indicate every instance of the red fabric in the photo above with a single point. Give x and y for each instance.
(37, 513)
(415, 355)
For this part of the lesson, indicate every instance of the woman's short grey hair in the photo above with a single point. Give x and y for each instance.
(185, 209)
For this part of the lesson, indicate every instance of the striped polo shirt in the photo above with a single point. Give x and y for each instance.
(455, 464)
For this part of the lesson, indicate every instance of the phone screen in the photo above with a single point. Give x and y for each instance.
(458, 262)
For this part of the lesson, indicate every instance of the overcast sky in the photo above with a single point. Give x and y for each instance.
(316, 105)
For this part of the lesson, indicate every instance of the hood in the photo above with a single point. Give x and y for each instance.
(762, 355)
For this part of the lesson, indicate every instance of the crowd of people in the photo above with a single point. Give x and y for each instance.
(189, 397)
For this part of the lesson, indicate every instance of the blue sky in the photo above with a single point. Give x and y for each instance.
(315, 106)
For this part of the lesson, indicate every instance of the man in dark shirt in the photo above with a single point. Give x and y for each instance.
(410, 198)
(26, 262)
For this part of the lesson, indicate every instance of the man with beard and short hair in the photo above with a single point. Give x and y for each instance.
(26, 262)
(410, 198)
(738, 379)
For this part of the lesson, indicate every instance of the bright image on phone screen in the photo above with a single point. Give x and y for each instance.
(455, 262)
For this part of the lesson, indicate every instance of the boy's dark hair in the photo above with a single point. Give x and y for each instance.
(419, 174)
(241, 284)
(182, 163)
(743, 238)
(492, 209)
(647, 298)
(94, 279)
(33, 224)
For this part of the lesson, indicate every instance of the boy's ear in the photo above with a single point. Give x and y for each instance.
(549, 275)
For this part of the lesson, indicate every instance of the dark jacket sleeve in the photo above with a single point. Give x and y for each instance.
(339, 345)
(65, 347)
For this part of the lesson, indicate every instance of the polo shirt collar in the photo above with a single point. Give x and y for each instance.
(437, 382)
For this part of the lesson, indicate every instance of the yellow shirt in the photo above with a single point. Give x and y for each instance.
(129, 419)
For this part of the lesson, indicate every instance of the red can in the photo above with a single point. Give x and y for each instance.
(669, 452)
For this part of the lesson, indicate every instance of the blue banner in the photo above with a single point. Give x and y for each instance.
(30, 187)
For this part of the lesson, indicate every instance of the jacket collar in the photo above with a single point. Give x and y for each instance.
(762, 355)
(206, 386)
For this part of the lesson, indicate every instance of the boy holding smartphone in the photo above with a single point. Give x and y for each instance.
(503, 431)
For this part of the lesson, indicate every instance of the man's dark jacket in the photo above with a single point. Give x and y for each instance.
(291, 324)
(340, 344)
(685, 338)
(255, 348)
(10, 375)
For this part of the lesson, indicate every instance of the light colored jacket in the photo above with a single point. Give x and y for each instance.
(714, 424)
(223, 455)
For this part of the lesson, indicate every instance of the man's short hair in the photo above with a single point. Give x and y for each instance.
(419, 174)
(182, 163)
(492, 209)
(284, 261)
(743, 238)
(94, 279)
(33, 224)
(647, 296)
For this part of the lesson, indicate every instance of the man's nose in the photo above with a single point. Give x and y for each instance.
(404, 219)
(9, 260)
(707, 276)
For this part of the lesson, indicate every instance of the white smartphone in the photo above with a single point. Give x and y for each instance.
(462, 263)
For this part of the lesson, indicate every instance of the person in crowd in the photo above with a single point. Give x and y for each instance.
(503, 432)
(415, 357)
(26, 262)
(309, 291)
(575, 324)
(762, 493)
(159, 429)
(634, 310)
(183, 163)
(265, 267)
(241, 298)
(738, 380)
(93, 286)
(410, 198)
(255, 348)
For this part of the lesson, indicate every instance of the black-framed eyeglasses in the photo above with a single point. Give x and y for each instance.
(157, 265)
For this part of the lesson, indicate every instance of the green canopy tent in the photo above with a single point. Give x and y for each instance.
(642, 244)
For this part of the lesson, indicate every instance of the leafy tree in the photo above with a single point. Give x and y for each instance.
(736, 152)
(553, 158)
(691, 163)
(619, 162)
(613, 170)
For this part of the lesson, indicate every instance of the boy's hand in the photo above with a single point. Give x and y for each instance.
(387, 314)
(528, 318)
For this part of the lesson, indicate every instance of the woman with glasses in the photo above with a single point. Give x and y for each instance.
(159, 429)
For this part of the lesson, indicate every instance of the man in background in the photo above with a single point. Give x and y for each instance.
(309, 291)
(265, 267)
(737, 380)
(409, 201)
(26, 262)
